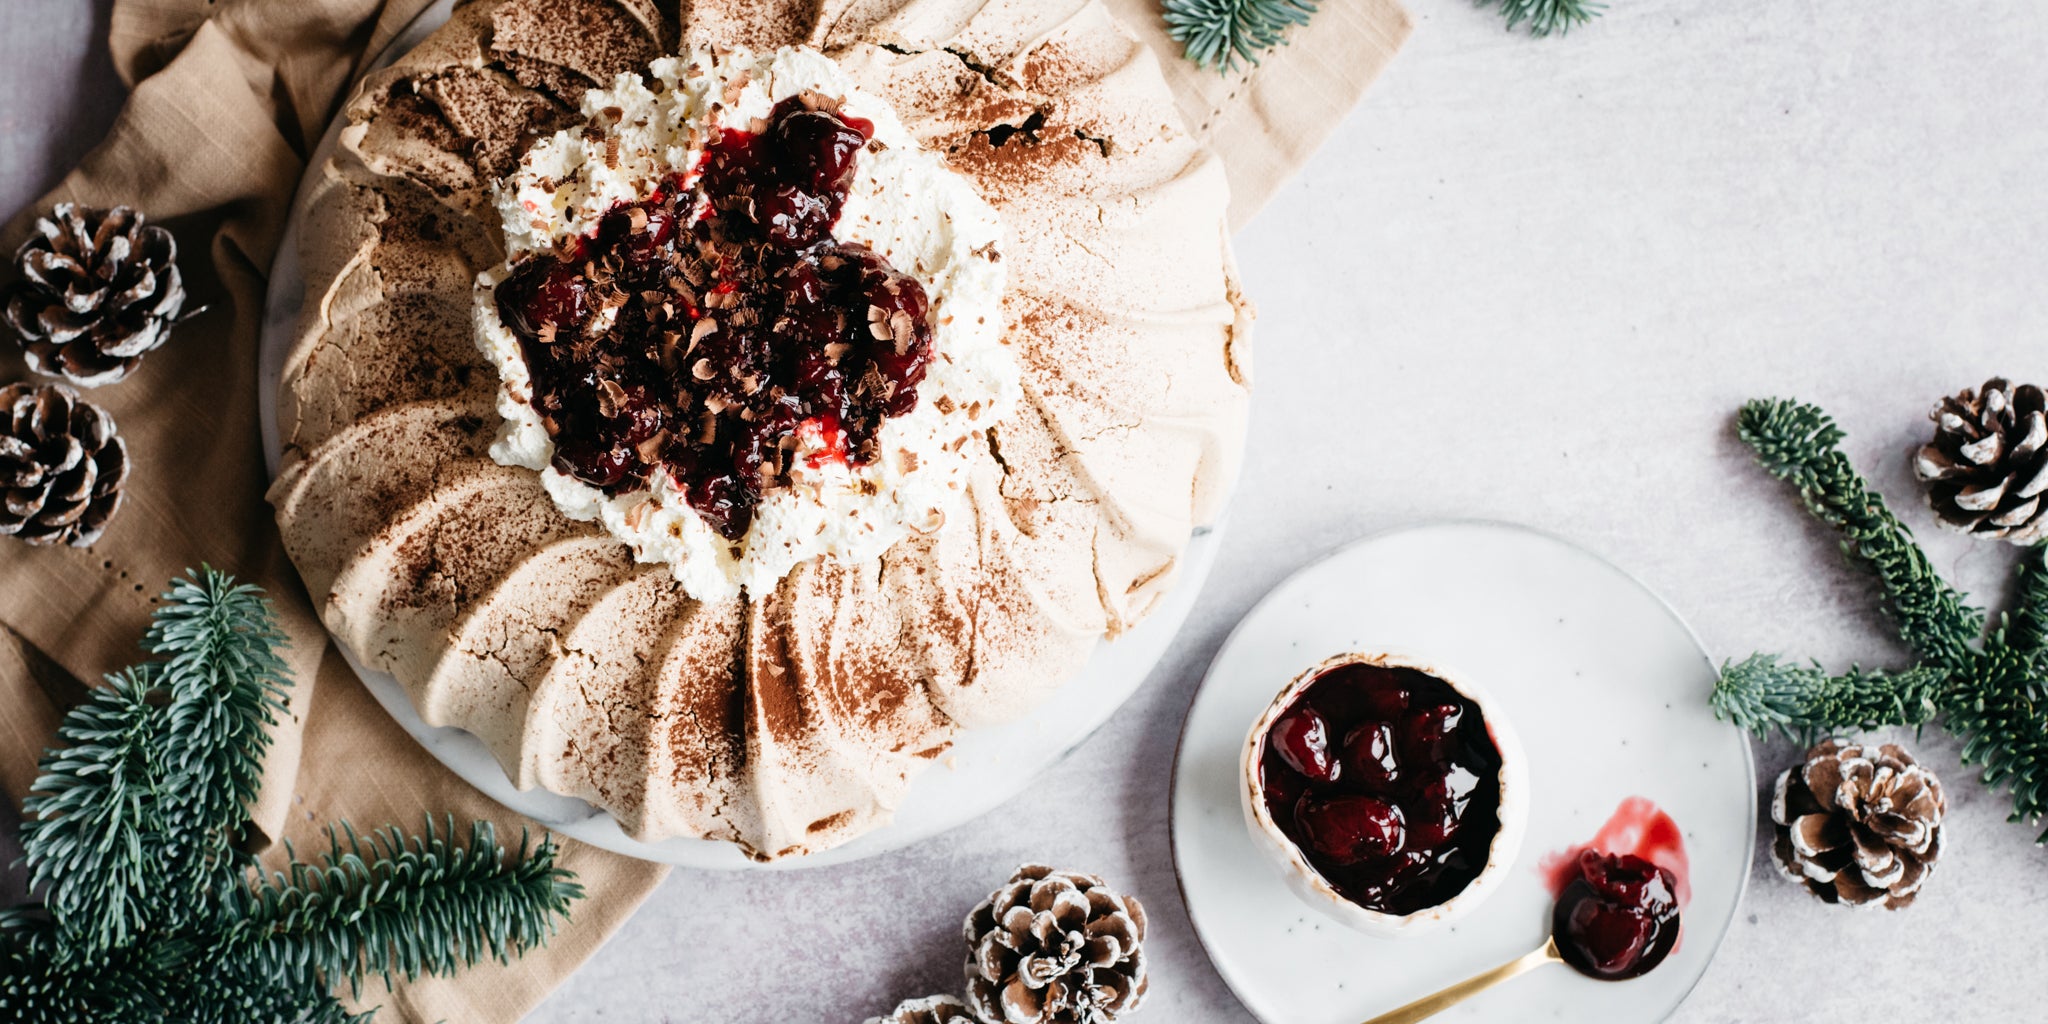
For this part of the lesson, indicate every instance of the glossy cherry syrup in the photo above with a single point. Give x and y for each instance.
(1619, 894)
(703, 328)
(1618, 919)
(1389, 782)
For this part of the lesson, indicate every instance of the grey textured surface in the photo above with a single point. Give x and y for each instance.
(1527, 280)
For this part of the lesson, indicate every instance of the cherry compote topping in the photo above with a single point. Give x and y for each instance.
(703, 328)
(1388, 782)
(1618, 918)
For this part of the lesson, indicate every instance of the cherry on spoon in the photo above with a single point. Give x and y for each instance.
(1617, 920)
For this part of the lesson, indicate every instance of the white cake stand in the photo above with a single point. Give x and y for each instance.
(985, 767)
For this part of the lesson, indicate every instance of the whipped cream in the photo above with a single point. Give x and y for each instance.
(903, 203)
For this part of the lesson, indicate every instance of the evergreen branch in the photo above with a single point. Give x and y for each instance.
(2029, 626)
(1798, 444)
(230, 990)
(225, 682)
(1216, 33)
(2001, 711)
(43, 980)
(91, 819)
(1545, 17)
(159, 982)
(134, 829)
(404, 906)
(1762, 694)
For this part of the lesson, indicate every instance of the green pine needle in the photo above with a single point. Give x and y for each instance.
(1545, 17)
(134, 833)
(225, 681)
(1989, 691)
(1802, 702)
(405, 906)
(90, 831)
(43, 982)
(2000, 708)
(1798, 444)
(2029, 626)
(1217, 33)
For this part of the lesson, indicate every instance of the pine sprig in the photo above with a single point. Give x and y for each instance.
(233, 988)
(1798, 444)
(2000, 709)
(1219, 33)
(42, 981)
(403, 906)
(1989, 691)
(91, 832)
(135, 834)
(2029, 621)
(225, 682)
(1545, 17)
(1803, 702)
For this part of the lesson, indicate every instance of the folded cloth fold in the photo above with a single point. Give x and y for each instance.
(228, 98)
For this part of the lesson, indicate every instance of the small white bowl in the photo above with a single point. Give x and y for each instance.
(1303, 878)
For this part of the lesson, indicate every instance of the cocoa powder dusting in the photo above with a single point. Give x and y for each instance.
(834, 664)
(597, 39)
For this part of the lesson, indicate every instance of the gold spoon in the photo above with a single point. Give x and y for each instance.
(1435, 1003)
(1641, 961)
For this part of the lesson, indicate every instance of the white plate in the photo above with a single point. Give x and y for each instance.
(1608, 689)
(985, 768)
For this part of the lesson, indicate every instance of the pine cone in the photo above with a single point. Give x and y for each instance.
(1055, 947)
(1859, 825)
(1987, 466)
(61, 466)
(98, 289)
(929, 1010)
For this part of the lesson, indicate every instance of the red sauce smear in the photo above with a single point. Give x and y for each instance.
(1638, 828)
(1619, 896)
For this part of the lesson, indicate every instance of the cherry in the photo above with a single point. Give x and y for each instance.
(791, 217)
(1439, 808)
(602, 467)
(542, 293)
(1369, 755)
(1386, 702)
(803, 290)
(1426, 730)
(1618, 919)
(721, 500)
(653, 239)
(1302, 739)
(1629, 881)
(1350, 829)
(832, 447)
(896, 299)
(1611, 940)
(818, 148)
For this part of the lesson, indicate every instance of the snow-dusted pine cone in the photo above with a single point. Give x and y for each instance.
(1859, 825)
(929, 1010)
(98, 290)
(61, 466)
(1987, 467)
(1055, 947)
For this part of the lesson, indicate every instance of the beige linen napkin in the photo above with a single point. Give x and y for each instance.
(228, 98)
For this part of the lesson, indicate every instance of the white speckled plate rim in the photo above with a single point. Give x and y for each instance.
(985, 768)
(1288, 963)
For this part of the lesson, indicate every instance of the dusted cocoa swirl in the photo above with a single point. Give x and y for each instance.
(787, 720)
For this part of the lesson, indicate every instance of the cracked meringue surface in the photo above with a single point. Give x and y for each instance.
(791, 718)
